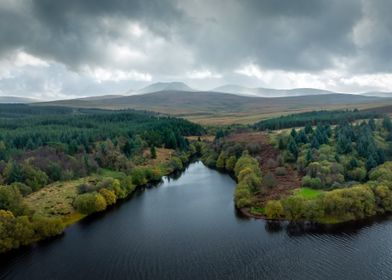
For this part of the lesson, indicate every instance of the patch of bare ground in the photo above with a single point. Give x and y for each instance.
(286, 178)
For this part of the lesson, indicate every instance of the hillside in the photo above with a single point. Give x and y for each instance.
(215, 107)
(163, 86)
(17, 99)
(269, 92)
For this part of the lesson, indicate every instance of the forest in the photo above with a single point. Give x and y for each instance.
(313, 118)
(101, 156)
(58, 165)
(338, 164)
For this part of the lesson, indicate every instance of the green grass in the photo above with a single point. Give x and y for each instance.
(55, 199)
(308, 193)
(255, 210)
(111, 173)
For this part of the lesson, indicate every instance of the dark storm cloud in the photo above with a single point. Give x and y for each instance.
(303, 35)
(67, 31)
(294, 35)
(178, 37)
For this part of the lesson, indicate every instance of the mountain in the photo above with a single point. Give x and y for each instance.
(377, 93)
(17, 99)
(268, 92)
(101, 97)
(161, 86)
(217, 107)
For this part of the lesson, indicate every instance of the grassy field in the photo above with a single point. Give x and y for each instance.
(307, 193)
(55, 200)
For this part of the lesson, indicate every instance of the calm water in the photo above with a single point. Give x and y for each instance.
(187, 229)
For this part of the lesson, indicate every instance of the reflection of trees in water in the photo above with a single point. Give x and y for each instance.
(273, 226)
(300, 228)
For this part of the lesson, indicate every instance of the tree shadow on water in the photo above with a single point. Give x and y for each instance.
(300, 228)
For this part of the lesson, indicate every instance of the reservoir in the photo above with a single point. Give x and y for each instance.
(187, 228)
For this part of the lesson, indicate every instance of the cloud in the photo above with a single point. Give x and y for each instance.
(203, 74)
(102, 75)
(87, 47)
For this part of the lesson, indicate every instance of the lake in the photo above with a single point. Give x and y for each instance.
(187, 228)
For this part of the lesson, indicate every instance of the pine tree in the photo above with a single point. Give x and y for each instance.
(309, 156)
(281, 144)
(370, 163)
(372, 124)
(292, 147)
(315, 143)
(386, 123)
(308, 128)
(153, 152)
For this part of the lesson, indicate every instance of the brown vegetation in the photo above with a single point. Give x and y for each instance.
(267, 156)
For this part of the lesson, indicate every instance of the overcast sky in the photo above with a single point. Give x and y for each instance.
(59, 49)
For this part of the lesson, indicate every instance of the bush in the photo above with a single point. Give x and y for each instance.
(309, 182)
(110, 196)
(14, 231)
(274, 209)
(247, 171)
(89, 203)
(47, 227)
(270, 180)
(126, 185)
(220, 162)
(176, 164)
(230, 163)
(293, 207)
(23, 188)
(357, 174)
(11, 199)
(281, 171)
(153, 174)
(271, 163)
(138, 176)
(86, 188)
(242, 196)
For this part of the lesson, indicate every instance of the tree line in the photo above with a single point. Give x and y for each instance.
(313, 118)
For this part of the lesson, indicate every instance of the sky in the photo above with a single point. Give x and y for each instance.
(72, 48)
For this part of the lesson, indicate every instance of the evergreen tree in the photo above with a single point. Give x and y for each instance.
(370, 163)
(309, 156)
(308, 128)
(315, 143)
(153, 152)
(292, 147)
(281, 144)
(372, 124)
(386, 123)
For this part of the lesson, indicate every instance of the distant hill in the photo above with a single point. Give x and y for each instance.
(101, 97)
(216, 107)
(268, 92)
(378, 93)
(16, 99)
(161, 86)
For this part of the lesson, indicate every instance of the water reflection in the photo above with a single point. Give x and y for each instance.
(186, 227)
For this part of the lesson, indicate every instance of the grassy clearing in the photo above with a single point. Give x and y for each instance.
(206, 138)
(163, 155)
(307, 193)
(111, 173)
(55, 200)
